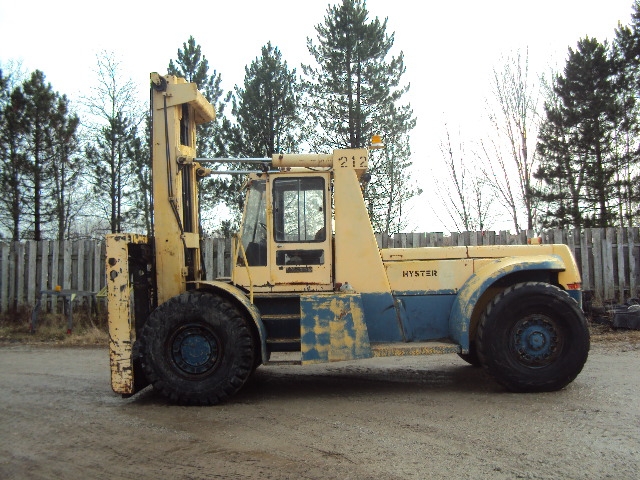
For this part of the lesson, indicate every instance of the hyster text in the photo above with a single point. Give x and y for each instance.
(419, 273)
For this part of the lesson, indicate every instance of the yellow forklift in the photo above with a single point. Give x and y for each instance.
(308, 277)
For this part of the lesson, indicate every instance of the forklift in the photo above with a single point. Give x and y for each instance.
(309, 278)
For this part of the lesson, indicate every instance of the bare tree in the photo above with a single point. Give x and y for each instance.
(510, 156)
(113, 133)
(394, 187)
(464, 195)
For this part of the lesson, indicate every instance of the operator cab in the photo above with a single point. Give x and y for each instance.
(284, 244)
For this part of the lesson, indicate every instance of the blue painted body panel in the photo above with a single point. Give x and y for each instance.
(436, 314)
(381, 317)
(408, 316)
(425, 317)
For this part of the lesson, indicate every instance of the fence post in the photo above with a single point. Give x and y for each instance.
(207, 245)
(473, 239)
(98, 261)
(585, 239)
(79, 271)
(31, 269)
(220, 243)
(464, 239)
(44, 266)
(489, 237)
(67, 247)
(439, 239)
(5, 261)
(607, 262)
(596, 252)
(400, 240)
(557, 235)
(415, 240)
(622, 282)
(632, 237)
(55, 271)
(19, 279)
(571, 242)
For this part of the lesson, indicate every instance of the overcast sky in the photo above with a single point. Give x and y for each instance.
(450, 49)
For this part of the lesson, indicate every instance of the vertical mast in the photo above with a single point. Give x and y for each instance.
(177, 107)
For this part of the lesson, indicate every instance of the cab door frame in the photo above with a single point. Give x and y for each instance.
(301, 232)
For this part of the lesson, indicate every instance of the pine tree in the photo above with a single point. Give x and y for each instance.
(355, 92)
(141, 215)
(592, 110)
(193, 66)
(40, 100)
(267, 106)
(213, 137)
(561, 175)
(66, 167)
(109, 154)
(577, 140)
(627, 71)
(4, 89)
(13, 128)
(267, 113)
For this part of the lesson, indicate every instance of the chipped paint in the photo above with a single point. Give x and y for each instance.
(119, 310)
(332, 328)
(483, 278)
(413, 348)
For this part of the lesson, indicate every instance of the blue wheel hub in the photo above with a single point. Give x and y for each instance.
(535, 340)
(195, 350)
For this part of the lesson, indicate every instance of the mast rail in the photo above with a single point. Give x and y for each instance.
(232, 160)
(239, 172)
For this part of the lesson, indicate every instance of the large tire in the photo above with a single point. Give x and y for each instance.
(472, 357)
(533, 337)
(197, 349)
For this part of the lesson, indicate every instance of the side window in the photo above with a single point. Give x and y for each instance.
(299, 209)
(254, 227)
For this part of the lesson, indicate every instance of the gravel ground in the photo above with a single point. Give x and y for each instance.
(393, 418)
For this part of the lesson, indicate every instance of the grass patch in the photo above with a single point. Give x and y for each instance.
(606, 334)
(88, 328)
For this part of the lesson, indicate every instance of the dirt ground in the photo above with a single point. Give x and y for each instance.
(396, 418)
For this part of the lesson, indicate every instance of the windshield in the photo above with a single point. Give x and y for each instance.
(254, 228)
(299, 212)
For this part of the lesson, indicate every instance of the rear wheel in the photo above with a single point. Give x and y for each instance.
(197, 349)
(472, 357)
(533, 337)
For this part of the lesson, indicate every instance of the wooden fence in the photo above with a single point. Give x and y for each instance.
(607, 258)
(28, 267)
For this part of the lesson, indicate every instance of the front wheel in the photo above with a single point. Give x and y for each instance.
(197, 349)
(533, 337)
